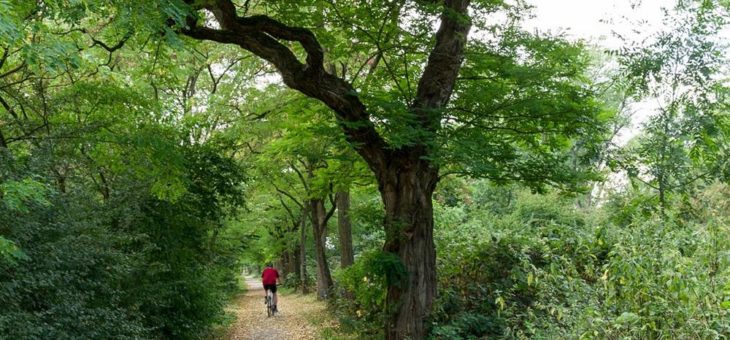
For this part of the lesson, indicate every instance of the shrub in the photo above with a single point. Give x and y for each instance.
(362, 288)
(133, 266)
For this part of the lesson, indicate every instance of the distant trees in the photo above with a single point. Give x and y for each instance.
(682, 143)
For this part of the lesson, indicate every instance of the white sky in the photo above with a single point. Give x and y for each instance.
(596, 20)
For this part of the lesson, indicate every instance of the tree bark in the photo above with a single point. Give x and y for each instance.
(347, 258)
(407, 195)
(319, 226)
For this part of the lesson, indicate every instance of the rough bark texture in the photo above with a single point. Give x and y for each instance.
(319, 226)
(409, 234)
(409, 179)
(406, 179)
(347, 257)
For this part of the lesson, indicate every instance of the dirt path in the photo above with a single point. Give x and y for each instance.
(296, 319)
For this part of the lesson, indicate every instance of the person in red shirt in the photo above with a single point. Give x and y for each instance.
(269, 278)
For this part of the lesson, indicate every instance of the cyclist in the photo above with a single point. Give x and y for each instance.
(269, 278)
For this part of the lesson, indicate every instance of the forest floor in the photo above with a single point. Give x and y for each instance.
(300, 316)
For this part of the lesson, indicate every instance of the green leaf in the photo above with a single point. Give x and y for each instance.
(10, 252)
(627, 317)
(17, 195)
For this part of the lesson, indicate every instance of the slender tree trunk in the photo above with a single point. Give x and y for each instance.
(662, 188)
(303, 254)
(280, 265)
(407, 195)
(286, 265)
(345, 228)
(294, 265)
(324, 278)
(289, 264)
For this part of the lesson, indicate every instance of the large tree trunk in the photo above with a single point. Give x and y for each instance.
(407, 195)
(345, 228)
(319, 226)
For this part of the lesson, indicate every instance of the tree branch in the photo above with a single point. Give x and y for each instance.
(301, 177)
(330, 212)
(286, 207)
(16, 69)
(444, 63)
(109, 49)
(291, 197)
(260, 35)
(9, 108)
(6, 52)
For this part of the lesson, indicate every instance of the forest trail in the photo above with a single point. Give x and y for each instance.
(300, 316)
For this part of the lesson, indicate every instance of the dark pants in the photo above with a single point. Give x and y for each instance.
(272, 288)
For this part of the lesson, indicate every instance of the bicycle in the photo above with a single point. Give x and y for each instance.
(268, 300)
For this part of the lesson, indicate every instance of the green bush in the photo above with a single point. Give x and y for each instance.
(512, 275)
(546, 270)
(362, 288)
(133, 266)
(540, 268)
(69, 285)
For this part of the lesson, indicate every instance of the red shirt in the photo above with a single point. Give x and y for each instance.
(269, 276)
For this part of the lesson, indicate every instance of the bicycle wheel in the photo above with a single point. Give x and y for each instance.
(269, 306)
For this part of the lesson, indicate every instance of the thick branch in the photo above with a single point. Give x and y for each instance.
(444, 62)
(9, 109)
(16, 69)
(260, 35)
(332, 208)
(330, 212)
(108, 48)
